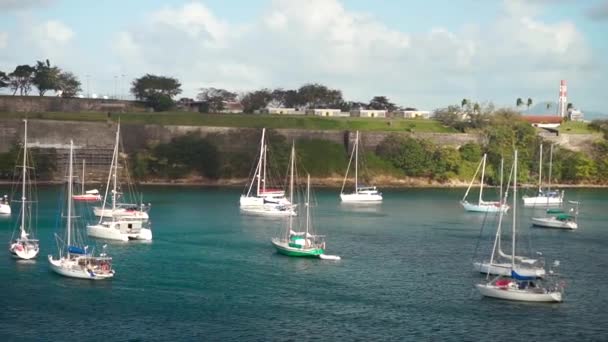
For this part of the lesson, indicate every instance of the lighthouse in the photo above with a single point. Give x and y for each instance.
(563, 99)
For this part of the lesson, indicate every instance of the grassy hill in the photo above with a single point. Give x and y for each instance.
(245, 120)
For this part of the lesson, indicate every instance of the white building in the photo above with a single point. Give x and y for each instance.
(369, 113)
(283, 111)
(575, 114)
(325, 112)
(413, 114)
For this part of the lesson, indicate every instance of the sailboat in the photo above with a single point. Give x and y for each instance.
(261, 199)
(483, 206)
(501, 263)
(25, 246)
(544, 197)
(92, 195)
(518, 287)
(361, 194)
(74, 259)
(123, 225)
(5, 205)
(119, 209)
(558, 218)
(301, 243)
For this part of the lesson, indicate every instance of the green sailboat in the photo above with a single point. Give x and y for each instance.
(300, 243)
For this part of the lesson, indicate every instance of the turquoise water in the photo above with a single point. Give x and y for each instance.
(211, 274)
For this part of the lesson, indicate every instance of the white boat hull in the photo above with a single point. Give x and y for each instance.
(485, 207)
(121, 213)
(542, 201)
(509, 293)
(551, 222)
(504, 269)
(361, 198)
(267, 210)
(25, 251)
(5, 209)
(69, 268)
(120, 231)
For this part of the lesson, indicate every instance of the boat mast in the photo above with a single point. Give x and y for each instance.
(82, 189)
(502, 166)
(264, 177)
(514, 211)
(357, 162)
(259, 171)
(483, 173)
(550, 168)
(69, 221)
(540, 169)
(24, 174)
(114, 189)
(307, 205)
(293, 157)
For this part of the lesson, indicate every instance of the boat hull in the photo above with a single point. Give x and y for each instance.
(504, 269)
(284, 248)
(68, 268)
(551, 222)
(271, 211)
(506, 293)
(86, 198)
(121, 213)
(120, 231)
(487, 207)
(5, 209)
(24, 250)
(361, 198)
(542, 201)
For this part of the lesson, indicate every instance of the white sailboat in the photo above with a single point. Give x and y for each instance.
(558, 218)
(483, 206)
(361, 194)
(92, 195)
(544, 197)
(5, 205)
(25, 246)
(75, 260)
(129, 211)
(119, 226)
(518, 287)
(501, 263)
(261, 199)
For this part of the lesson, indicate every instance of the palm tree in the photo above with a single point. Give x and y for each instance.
(548, 105)
(519, 102)
(476, 108)
(529, 103)
(570, 105)
(464, 102)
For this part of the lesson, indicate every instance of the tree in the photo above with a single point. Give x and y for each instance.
(69, 84)
(156, 91)
(286, 98)
(449, 116)
(21, 79)
(214, 99)
(570, 106)
(256, 100)
(4, 80)
(319, 96)
(46, 77)
(476, 108)
(463, 103)
(548, 105)
(519, 102)
(381, 102)
(529, 102)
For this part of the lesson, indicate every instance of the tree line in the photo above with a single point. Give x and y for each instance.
(43, 76)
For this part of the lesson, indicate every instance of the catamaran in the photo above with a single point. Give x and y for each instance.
(483, 206)
(558, 218)
(501, 263)
(26, 246)
(361, 194)
(120, 210)
(74, 259)
(92, 195)
(261, 199)
(518, 287)
(120, 226)
(293, 242)
(544, 197)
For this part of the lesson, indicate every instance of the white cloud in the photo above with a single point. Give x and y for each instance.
(9, 5)
(294, 42)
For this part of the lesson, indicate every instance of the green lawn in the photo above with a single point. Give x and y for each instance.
(252, 121)
(575, 127)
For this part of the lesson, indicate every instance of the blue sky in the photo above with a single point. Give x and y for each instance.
(424, 54)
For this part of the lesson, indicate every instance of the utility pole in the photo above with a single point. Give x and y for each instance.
(88, 92)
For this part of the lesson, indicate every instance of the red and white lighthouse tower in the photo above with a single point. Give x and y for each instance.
(563, 99)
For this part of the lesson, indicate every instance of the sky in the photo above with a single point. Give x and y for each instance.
(423, 54)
